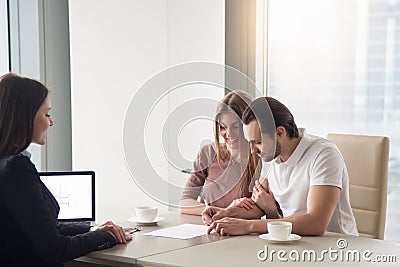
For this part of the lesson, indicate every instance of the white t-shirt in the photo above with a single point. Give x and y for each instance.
(315, 161)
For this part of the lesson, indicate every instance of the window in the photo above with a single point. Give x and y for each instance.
(4, 61)
(336, 64)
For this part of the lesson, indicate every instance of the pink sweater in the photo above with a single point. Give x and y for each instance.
(220, 181)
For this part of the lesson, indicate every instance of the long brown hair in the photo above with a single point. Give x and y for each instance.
(236, 101)
(20, 99)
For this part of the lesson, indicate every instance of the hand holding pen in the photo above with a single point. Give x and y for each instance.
(208, 208)
(211, 213)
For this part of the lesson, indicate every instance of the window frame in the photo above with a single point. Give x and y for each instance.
(4, 35)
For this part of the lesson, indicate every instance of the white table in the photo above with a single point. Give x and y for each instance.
(244, 251)
(211, 250)
(142, 245)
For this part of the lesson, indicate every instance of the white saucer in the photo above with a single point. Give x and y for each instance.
(153, 222)
(291, 238)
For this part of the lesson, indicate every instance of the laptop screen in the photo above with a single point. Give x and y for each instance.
(74, 192)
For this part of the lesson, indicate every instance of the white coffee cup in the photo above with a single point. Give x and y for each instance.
(279, 230)
(146, 213)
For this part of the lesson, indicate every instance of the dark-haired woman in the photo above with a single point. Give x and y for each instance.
(31, 234)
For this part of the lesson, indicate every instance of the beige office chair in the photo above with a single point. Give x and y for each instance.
(366, 160)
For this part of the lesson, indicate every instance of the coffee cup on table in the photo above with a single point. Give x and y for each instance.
(146, 213)
(279, 230)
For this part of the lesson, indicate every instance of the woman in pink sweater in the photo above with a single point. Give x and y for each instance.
(223, 171)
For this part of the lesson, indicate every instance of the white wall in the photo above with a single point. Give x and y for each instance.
(196, 32)
(115, 47)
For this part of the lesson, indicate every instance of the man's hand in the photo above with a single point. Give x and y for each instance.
(230, 226)
(244, 202)
(264, 199)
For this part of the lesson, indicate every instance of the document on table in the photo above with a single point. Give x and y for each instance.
(183, 231)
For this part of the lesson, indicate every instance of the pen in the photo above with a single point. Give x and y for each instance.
(132, 230)
(188, 171)
(207, 207)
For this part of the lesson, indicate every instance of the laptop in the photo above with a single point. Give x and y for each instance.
(75, 194)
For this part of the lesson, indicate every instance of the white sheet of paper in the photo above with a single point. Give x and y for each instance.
(183, 231)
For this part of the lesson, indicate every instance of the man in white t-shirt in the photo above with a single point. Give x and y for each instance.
(308, 177)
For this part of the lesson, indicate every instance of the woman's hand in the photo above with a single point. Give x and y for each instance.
(211, 214)
(115, 230)
(230, 226)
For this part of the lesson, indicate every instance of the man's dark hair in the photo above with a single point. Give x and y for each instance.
(261, 109)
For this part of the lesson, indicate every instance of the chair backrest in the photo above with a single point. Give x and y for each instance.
(366, 159)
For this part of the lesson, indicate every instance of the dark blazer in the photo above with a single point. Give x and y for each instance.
(30, 233)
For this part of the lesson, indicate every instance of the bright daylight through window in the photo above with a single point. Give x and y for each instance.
(336, 64)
